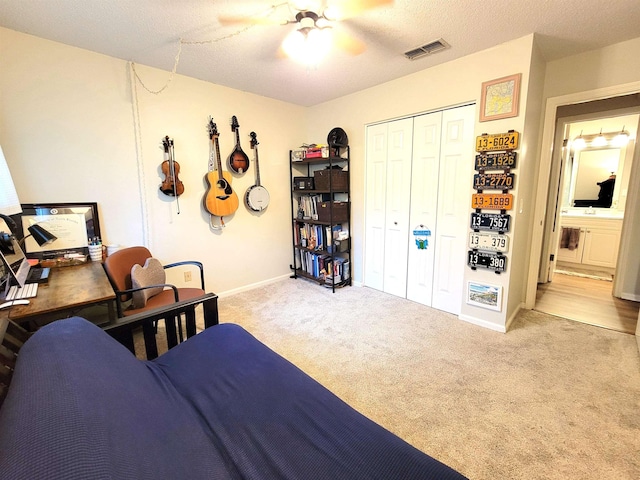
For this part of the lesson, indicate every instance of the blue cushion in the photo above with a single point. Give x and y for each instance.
(219, 406)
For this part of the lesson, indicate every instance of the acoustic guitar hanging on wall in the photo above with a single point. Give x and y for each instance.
(257, 197)
(238, 160)
(220, 199)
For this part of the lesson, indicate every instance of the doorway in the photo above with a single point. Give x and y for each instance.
(583, 231)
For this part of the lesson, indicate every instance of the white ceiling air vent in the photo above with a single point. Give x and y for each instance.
(428, 49)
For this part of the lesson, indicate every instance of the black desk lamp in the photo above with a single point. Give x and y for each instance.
(40, 234)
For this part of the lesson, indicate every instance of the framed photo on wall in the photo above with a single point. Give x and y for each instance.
(500, 98)
(484, 295)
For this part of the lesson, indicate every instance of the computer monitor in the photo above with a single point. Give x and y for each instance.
(15, 263)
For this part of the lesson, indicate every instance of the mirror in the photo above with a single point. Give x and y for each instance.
(593, 177)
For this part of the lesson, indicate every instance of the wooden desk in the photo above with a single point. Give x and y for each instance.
(69, 290)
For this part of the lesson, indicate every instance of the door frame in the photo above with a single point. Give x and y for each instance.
(544, 176)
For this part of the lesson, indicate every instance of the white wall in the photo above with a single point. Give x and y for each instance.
(68, 132)
(603, 73)
(453, 83)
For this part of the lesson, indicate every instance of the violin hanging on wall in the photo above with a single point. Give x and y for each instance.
(238, 160)
(171, 186)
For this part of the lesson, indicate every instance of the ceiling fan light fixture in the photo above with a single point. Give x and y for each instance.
(308, 46)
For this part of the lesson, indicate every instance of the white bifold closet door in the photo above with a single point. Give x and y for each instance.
(419, 173)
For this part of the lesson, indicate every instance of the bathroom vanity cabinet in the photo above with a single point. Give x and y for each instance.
(598, 242)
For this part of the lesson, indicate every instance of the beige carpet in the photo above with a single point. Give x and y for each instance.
(551, 399)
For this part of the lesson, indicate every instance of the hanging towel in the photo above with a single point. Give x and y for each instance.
(569, 238)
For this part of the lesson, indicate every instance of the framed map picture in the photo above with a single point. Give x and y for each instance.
(500, 98)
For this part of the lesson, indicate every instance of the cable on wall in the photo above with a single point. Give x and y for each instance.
(139, 158)
(176, 62)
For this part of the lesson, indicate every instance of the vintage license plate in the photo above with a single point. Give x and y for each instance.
(493, 222)
(491, 261)
(489, 161)
(494, 181)
(493, 242)
(492, 201)
(498, 141)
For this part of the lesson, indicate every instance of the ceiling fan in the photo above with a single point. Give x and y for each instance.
(314, 35)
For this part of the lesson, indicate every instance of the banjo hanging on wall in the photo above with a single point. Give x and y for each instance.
(257, 197)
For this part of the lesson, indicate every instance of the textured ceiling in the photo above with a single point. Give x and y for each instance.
(148, 32)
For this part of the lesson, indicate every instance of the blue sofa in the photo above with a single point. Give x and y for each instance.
(219, 406)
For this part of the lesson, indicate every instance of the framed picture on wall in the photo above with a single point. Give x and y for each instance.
(73, 225)
(500, 98)
(484, 295)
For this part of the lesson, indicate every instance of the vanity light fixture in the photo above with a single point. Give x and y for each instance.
(579, 142)
(599, 141)
(621, 139)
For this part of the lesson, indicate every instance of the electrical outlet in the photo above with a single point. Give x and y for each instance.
(187, 276)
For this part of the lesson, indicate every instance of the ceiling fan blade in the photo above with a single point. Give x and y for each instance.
(226, 21)
(347, 43)
(341, 9)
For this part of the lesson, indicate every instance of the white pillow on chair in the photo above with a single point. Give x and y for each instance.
(151, 274)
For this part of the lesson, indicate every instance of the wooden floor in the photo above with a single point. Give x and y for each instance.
(587, 300)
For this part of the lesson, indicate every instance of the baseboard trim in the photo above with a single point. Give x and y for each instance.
(252, 286)
(630, 296)
(483, 323)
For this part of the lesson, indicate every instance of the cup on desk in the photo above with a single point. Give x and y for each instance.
(95, 252)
